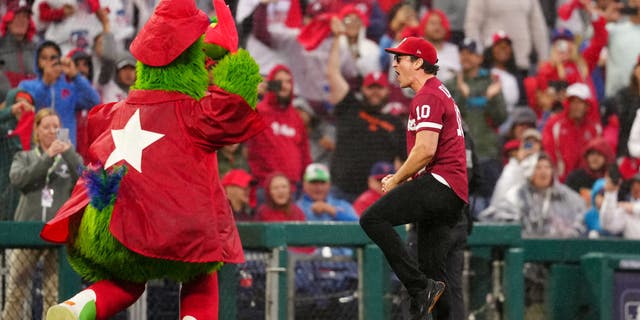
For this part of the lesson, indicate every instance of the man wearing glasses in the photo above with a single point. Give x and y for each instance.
(430, 188)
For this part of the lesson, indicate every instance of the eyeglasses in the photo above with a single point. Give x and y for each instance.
(50, 58)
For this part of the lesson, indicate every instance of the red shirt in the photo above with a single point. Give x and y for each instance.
(365, 200)
(433, 109)
(268, 214)
(173, 206)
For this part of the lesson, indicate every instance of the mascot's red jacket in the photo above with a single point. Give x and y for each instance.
(174, 152)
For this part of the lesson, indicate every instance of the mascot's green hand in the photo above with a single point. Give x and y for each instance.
(238, 73)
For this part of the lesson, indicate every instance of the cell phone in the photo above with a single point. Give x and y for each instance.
(629, 11)
(63, 134)
(274, 85)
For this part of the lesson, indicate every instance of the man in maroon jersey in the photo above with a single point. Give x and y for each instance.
(430, 188)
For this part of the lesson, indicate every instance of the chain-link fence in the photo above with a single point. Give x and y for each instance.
(320, 287)
(29, 282)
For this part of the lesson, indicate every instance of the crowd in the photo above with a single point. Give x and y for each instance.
(548, 91)
(569, 77)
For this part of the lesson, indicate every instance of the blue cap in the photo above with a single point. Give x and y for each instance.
(561, 33)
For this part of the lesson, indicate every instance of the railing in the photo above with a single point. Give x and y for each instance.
(589, 262)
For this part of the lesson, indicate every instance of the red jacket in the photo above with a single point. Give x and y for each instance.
(174, 206)
(563, 138)
(284, 146)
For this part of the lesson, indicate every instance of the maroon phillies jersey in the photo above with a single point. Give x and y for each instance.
(433, 109)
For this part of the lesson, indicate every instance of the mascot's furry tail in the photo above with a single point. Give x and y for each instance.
(96, 254)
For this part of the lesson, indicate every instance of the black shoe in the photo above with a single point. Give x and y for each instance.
(426, 299)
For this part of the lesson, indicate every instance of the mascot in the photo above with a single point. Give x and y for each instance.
(150, 204)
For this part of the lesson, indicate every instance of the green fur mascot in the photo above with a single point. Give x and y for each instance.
(150, 204)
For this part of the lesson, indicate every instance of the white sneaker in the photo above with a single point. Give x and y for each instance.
(61, 312)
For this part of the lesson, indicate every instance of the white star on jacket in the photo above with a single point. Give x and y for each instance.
(129, 143)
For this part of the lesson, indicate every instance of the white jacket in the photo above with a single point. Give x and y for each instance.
(616, 219)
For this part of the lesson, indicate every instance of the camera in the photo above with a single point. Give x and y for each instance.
(629, 11)
(274, 85)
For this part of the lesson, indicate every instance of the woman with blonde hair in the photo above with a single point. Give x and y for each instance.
(45, 176)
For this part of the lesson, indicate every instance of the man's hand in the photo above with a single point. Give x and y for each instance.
(337, 26)
(20, 107)
(57, 147)
(321, 207)
(69, 67)
(463, 86)
(388, 183)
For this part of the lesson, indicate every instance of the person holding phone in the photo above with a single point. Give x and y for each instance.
(45, 177)
(520, 165)
(60, 86)
(284, 146)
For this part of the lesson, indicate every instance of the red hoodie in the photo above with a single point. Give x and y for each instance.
(563, 137)
(284, 145)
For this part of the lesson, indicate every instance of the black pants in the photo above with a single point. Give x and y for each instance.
(435, 209)
(451, 304)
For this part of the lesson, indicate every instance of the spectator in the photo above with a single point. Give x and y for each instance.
(455, 10)
(305, 49)
(75, 24)
(520, 166)
(16, 124)
(233, 156)
(104, 53)
(522, 18)
(566, 63)
(279, 205)
(623, 48)
(317, 203)
(284, 146)
(479, 97)
(596, 158)
(627, 102)
(399, 17)
(59, 86)
(592, 216)
(83, 62)
(361, 56)
(364, 134)
(435, 27)
(322, 133)
(571, 128)
(621, 217)
(378, 171)
(45, 177)
(17, 49)
(125, 76)
(521, 119)
(499, 58)
(237, 186)
(544, 207)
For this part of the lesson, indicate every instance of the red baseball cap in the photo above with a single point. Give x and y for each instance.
(237, 177)
(173, 27)
(500, 36)
(418, 47)
(375, 78)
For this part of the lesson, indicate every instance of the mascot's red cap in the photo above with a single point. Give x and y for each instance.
(173, 27)
(224, 33)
